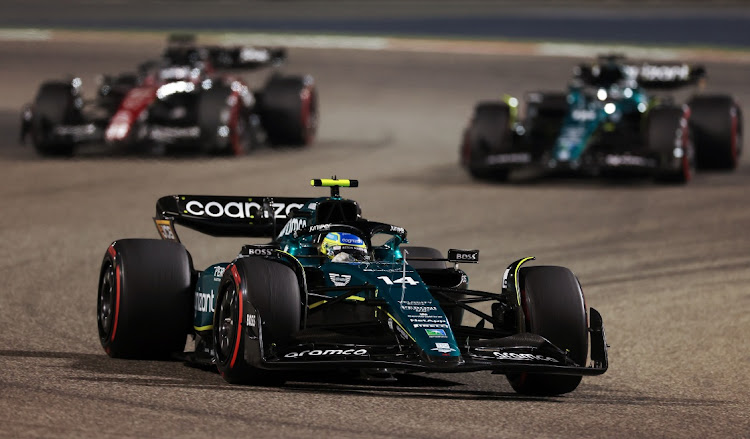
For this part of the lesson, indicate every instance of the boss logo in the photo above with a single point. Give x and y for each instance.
(463, 255)
(250, 251)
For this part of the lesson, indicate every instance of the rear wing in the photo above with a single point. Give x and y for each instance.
(646, 74)
(231, 216)
(245, 57)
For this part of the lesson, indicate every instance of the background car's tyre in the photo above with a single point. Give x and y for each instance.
(716, 123)
(224, 123)
(668, 135)
(254, 287)
(54, 105)
(289, 110)
(488, 133)
(145, 301)
(554, 307)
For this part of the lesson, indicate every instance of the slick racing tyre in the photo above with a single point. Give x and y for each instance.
(289, 110)
(668, 135)
(553, 303)
(488, 133)
(54, 105)
(144, 306)
(716, 123)
(259, 302)
(224, 122)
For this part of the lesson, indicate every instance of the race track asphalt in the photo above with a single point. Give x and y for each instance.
(667, 267)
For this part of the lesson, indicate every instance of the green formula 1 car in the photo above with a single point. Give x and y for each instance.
(331, 290)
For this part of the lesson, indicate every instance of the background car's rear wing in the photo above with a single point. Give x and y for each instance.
(647, 74)
(225, 215)
(245, 57)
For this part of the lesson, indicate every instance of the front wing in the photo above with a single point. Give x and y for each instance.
(523, 352)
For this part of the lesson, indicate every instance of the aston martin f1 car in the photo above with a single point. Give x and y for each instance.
(617, 118)
(332, 290)
(188, 99)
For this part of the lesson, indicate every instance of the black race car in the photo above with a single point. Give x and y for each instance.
(331, 290)
(616, 118)
(187, 99)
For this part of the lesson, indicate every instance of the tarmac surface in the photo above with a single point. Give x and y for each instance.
(667, 267)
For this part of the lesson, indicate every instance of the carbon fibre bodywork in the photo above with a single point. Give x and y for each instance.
(390, 311)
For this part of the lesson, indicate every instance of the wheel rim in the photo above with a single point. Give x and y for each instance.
(106, 305)
(227, 324)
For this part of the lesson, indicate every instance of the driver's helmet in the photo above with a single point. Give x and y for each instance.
(344, 247)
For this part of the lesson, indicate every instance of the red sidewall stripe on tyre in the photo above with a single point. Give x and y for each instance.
(306, 100)
(734, 136)
(113, 253)
(686, 171)
(236, 276)
(234, 123)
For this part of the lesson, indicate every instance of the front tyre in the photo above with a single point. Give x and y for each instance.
(144, 302)
(259, 306)
(54, 105)
(488, 133)
(554, 307)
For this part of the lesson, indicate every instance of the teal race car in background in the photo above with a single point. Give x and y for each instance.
(615, 119)
(332, 290)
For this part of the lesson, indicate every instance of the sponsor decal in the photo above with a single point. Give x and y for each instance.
(404, 280)
(523, 357)
(326, 353)
(169, 133)
(463, 255)
(443, 348)
(236, 209)
(434, 332)
(667, 73)
(399, 230)
(249, 54)
(250, 320)
(351, 240)
(419, 309)
(219, 272)
(627, 160)
(320, 228)
(204, 302)
(340, 280)
(293, 225)
(582, 115)
(501, 159)
(165, 230)
(505, 278)
(252, 251)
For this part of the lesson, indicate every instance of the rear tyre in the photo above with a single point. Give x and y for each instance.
(223, 122)
(554, 307)
(488, 133)
(145, 297)
(668, 136)
(716, 123)
(289, 111)
(53, 106)
(254, 291)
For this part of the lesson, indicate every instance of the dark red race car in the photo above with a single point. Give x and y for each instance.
(189, 99)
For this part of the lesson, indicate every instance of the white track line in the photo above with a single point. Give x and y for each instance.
(25, 35)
